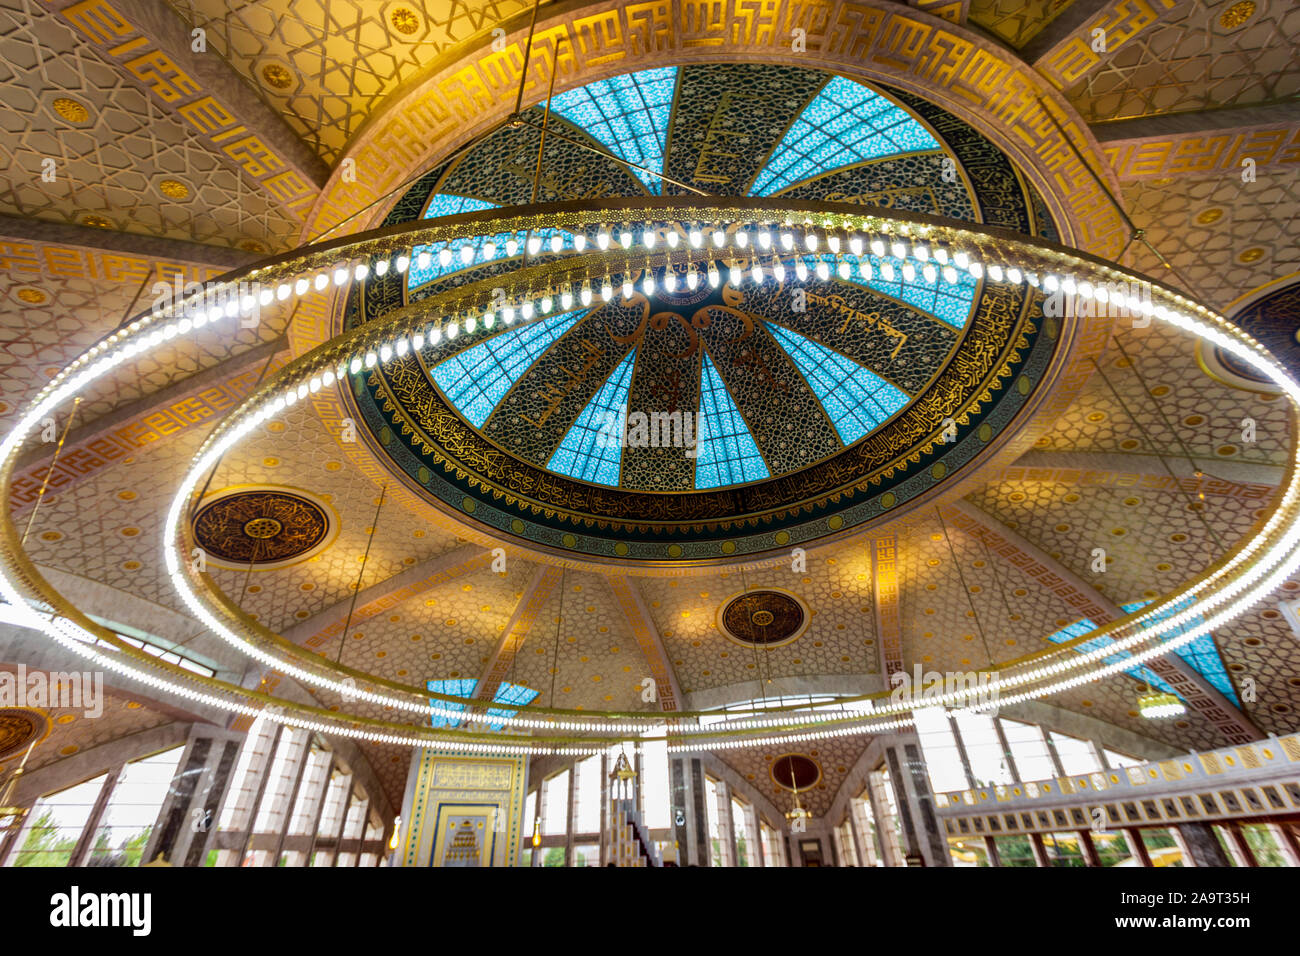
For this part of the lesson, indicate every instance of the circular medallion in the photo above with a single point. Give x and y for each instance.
(19, 726)
(795, 772)
(766, 618)
(264, 527)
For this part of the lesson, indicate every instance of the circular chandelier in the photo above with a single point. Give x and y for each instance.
(600, 252)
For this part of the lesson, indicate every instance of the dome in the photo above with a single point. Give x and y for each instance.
(700, 414)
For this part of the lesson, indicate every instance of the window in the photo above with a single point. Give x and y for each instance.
(719, 839)
(1119, 760)
(773, 845)
(1029, 750)
(891, 833)
(742, 827)
(988, 761)
(587, 787)
(555, 805)
(1063, 849)
(1265, 844)
(865, 821)
(1113, 849)
(655, 799)
(942, 758)
(844, 847)
(1077, 756)
(56, 824)
(132, 810)
(586, 854)
(1015, 850)
(968, 851)
(530, 818)
(1162, 846)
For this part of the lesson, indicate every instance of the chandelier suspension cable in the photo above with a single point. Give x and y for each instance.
(1209, 529)
(248, 574)
(997, 583)
(541, 142)
(1135, 234)
(753, 646)
(49, 472)
(593, 148)
(559, 620)
(979, 627)
(207, 483)
(1132, 363)
(356, 588)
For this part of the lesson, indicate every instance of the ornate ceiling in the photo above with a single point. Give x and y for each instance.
(351, 109)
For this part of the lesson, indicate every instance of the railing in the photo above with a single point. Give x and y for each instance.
(1254, 780)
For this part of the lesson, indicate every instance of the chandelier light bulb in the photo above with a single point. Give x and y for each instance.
(787, 241)
(579, 241)
(719, 237)
(823, 270)
(625, 239)
(466, 254)
(489, 249)
(648, 239)
(692, 279)
(585, 295)
(602, 240)
(800, 270)
(444, 256)
(887, 271)
(696, 238)
(557, 242)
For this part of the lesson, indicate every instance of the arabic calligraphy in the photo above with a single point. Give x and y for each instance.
(555, 393)
(717, 142)
(873, 319)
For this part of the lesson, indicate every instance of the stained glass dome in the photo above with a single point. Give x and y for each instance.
(701, 383)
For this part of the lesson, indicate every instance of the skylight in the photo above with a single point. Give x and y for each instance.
(846, 123)
(627, 114)
(726, 451)
(592, 449)
(856, 400)
(476, 379)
